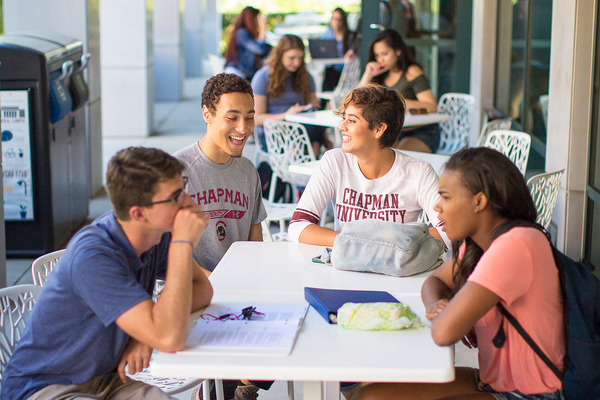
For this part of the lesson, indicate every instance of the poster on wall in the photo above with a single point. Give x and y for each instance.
(16, 155)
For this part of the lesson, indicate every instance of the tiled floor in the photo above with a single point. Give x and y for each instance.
(179, 124)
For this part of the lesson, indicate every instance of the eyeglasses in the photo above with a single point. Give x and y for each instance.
(175, 199)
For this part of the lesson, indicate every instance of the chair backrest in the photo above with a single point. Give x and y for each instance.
(515, 145)
(16, 305)
(287, 143)
(494, 125)
(349, 80)
(454, 133)
(42, 266)
(544, 191)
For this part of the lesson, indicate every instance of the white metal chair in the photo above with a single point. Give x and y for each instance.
(41, 269)
(349, 79)
(454, 133)
(494, 125)
(544, 191)
(287, 143)
(513, 144)
(42, 266)
(16, 305)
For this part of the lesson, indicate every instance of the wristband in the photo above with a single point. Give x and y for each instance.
(182, 241)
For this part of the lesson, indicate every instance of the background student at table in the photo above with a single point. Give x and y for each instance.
(367, 167)
(95, 315)
(392, 65)
(337, 30)
(481, 190)
(284, 86)
(247, 48)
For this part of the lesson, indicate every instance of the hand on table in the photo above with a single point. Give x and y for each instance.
(136, 357)
(435, 308)
(295, 109)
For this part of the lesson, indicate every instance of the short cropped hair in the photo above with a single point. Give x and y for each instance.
(133, 175)
(221, 84)
(379, 105)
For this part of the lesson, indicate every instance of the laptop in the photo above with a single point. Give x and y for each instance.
(322, 48)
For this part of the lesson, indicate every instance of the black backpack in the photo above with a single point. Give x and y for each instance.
(581, 294)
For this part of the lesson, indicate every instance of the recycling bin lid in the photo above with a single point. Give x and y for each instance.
(53, 52)
(72, 45)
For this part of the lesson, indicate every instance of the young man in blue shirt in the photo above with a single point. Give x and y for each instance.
(95, 316)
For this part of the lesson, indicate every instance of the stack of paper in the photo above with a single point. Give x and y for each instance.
(274, 332)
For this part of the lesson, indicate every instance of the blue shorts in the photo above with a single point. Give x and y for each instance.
(516, 395)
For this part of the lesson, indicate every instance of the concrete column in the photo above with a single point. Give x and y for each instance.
(127, 67)
(192, 34)
(168, 50)
(483, 52)
(212, 26)
(78, 19)
(569, 115)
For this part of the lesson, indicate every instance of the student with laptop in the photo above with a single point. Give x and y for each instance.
(339, 32)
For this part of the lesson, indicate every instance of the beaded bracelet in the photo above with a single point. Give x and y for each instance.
(183, 241)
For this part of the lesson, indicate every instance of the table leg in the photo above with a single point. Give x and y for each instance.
(206, 389)
(313, 390)
(321, 390)
(331, 390)
(219, 389)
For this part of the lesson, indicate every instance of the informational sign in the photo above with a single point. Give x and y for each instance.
(16, 155)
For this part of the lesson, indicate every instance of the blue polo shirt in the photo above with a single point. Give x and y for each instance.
(71, 336)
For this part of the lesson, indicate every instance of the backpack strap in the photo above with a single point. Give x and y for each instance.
(513, 321)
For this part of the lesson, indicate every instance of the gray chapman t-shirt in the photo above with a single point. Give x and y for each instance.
(230, 193)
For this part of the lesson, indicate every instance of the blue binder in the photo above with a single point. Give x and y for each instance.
(327, 301)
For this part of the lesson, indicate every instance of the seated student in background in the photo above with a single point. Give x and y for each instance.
(95, 316)
(366, 178)
(337, 30)
(481, 190)
(224, 183)
(284, 86)
(392, 65)
(247, 47)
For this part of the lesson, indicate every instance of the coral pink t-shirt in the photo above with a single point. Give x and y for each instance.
(519, 267)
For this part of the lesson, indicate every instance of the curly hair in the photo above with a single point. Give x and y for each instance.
(278, 73)
(393, 39)
(246, 20)
(221, 84)
(133, 174)
(378, 105)
(487, 171)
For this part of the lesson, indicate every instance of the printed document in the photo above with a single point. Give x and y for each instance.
(221, 328)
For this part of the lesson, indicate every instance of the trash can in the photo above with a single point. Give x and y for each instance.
(79, 149)
(44, 200)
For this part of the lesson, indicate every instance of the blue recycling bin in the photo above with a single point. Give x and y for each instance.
(45, 158)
